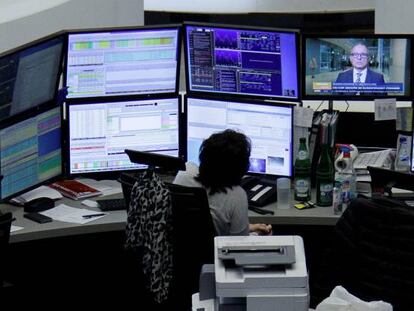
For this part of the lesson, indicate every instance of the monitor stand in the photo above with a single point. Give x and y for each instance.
(330, 105)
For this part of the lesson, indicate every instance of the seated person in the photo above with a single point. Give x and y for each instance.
(224, 160)
(360, 73)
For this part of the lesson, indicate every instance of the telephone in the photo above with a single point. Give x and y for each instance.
(259, 192)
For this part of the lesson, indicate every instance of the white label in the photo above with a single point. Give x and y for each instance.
(257, 187)
(302, 155)
(257, 196)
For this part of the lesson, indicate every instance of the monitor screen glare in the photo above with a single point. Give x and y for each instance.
(130, 62)
(241, 61)
(30, 152)
(100, 132)
(361, 67)
(268, 126)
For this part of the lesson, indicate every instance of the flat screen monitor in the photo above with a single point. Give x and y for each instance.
(383, 180)
(119, 62)
(246, 62)
(30, 152)
(29, 75)
(357, 67)
(269, 127)
(99, 133)
(361, 129)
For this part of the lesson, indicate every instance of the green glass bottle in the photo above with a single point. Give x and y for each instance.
(324, 177)
(302, 173)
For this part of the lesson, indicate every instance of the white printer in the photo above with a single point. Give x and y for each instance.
(255, 273)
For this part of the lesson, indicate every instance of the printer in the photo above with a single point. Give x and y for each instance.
(255, 273)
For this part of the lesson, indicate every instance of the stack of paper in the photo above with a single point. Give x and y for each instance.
(75, 215)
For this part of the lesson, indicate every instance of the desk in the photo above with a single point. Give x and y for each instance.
(116, 220)
(320, 216)
(99, 244)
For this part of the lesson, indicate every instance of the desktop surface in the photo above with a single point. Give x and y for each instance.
(116, 220)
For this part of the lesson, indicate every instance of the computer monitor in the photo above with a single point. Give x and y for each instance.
(361, 129)
(268, 125)
(30, 152)
(29, 75)
(241, 61)
(356, 67)
(119, 62)
(99, 133)
(383, 180)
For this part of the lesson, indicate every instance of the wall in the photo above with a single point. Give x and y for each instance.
(245, 6)
(394, 16)
(22, 21)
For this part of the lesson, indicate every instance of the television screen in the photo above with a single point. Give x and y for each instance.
(269, 126)
(29, 75)
(100, 132)
(30, 152)
(248, 62)
(119, 62)
(356, 67)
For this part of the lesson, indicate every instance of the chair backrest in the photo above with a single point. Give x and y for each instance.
(5, 224)
(373, 255)
(193, 240)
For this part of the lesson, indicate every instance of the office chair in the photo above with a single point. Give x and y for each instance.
(5, 224)
(192, 234)
(193, 241)
(373, 254)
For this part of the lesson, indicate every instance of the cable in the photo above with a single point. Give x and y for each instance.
(261, 211)
(317, 108)
(347, 106)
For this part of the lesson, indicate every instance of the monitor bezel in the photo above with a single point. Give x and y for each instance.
(294, 32)
(112, 174)
(306, 36)
(28, 115)
(33, 44)
(124, 29)
(290, 105)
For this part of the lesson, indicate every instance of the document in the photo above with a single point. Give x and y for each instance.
(404, 119)
(106, 186)
(42, 191)
(75, 215)
(385, 109)
(303, 116)
(15, 228)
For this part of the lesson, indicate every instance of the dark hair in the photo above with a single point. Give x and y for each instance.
(224, 159)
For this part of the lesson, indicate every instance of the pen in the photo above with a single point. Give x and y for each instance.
(93, 215)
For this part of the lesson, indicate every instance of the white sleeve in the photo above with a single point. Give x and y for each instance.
(239, 224)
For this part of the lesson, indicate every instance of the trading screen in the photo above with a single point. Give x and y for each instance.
(29, 76)
(30, 152)
(100, 132)
(268, 126)
(376, 66)
(240, 61)
(119, 63)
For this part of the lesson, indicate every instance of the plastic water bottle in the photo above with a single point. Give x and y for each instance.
(402, 160)
(345, 176)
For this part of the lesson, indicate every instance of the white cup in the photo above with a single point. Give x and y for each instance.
(283, 193)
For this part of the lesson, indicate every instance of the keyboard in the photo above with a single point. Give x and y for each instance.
(111, 204)
(377, 159)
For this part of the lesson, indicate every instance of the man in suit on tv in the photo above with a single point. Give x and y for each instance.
(360, 73)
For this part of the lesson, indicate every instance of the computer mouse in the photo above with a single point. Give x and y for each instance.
(39, 204)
